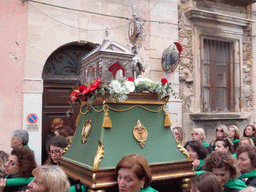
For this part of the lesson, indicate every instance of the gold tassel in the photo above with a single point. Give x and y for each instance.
(167, 119)
(106, 121)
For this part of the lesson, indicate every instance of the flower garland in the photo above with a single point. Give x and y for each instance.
(118, 89)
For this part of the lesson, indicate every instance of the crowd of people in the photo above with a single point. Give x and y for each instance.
(226, 164)
(228, 160)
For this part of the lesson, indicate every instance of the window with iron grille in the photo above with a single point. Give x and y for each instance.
(220, 76)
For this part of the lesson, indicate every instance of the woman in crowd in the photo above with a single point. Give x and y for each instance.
(205, 182)
(224, 145)
(246, 141)
(222, 164)
(197, 153)
(55, 148)
(198, 134)
(134, 174)
(234, 135)
(20, 164)
(221, 132)
(3, 159)
(56, 123)
(178, 134)
(249, 131)
(49, 179)
(246, 155)
(66, 131)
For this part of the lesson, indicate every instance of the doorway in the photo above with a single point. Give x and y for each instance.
(61, 76)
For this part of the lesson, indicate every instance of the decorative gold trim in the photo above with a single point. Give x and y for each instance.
(183, 150)
(102, 179)
(66, 148)
(133, 99)
(78, 119)
(86, 130)
(140, 133)
(98, 156)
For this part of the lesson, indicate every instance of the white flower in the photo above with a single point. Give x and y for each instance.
(136, 81)
(148, 80)
(116, 86)
(129, 87)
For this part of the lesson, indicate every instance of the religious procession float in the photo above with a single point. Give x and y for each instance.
(123, 113)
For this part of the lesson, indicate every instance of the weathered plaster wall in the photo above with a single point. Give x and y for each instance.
(13, 30)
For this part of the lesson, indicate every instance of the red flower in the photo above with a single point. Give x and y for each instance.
(87, 90)
(130, 79)
(179, 47)
(81, 88)
(95, 84)
(83, 98)
(164, 81)
(74, 95)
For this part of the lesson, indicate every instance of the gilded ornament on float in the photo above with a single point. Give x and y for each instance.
(86, 130)
(140, 133)
(183, 150)
(98, 156)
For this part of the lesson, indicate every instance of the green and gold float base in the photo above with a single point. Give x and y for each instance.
(108, 131)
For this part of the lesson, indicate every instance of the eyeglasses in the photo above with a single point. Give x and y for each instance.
(219, 130)
(194, 134)
(56, 151)
(11, 163)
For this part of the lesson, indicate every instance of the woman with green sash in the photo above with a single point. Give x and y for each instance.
(234, 136)
(18, 168)
(198, 134)
(249, 131)
(197, 153)
(223, 165)
(246, 155)
(49, 178)
(134, 174)
(205, 182)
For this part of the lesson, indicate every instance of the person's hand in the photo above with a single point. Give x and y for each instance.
(2, 184)
(196, 163)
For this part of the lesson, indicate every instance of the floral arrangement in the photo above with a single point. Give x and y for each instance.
(118, 89)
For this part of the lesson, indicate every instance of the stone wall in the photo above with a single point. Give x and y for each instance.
(189, 77)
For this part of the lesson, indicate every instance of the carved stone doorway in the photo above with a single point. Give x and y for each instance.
(61, 76)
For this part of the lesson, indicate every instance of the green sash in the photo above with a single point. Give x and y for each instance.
(235, 141)
(73, 188)
(200, 172)
(205, 144)
(28, 148)
(85, 189)
(18, 181)
(148, 189)
(200, 165)
(235, 184)
(247, 175)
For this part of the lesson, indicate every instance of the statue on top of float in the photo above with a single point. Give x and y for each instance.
(114, 70)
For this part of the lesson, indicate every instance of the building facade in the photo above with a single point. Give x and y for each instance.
(217, 66)
(58, 34)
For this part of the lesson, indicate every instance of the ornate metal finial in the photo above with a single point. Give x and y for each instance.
(135, 29)
(133, 11)
(106, 34)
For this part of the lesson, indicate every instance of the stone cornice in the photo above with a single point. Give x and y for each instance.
(218, 116)
(197, 14)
